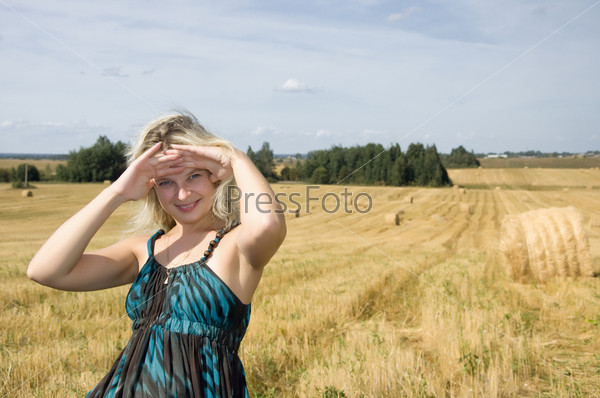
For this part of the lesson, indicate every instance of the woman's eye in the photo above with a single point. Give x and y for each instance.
(164, 183)
(195, 175)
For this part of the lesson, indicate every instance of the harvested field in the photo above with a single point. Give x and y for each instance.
(350, 304)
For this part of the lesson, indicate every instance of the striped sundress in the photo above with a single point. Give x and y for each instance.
(187, 327)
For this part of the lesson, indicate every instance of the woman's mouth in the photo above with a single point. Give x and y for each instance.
(187, 207)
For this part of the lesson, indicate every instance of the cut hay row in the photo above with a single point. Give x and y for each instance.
(545, 243)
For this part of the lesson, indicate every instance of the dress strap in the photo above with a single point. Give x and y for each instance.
(152, 240)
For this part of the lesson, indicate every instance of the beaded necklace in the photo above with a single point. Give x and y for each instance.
(207, 253)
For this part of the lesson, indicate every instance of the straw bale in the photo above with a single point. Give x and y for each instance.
(545, 243)
(106, 182)
(455, 186)
(408, 199)
(461, 191)
(595, 222)
(293, 213)
(438, 218)
(392, 219)
(26, 193)
(465, 208)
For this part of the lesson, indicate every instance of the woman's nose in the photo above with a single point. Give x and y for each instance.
(183, 193)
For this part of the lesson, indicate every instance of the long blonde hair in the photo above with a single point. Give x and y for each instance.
(183, 129)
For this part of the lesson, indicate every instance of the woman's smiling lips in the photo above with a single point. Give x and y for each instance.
(187, 207)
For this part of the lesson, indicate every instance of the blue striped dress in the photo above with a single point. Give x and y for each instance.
(186, 335)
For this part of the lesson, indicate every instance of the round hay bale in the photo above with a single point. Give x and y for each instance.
(455, 186)
(465, 208)
(392, 219)
(438, 218)
(462, 191)
(106, 182)
(595, 222)
(27, 193)
(408, 199)
(545, 243)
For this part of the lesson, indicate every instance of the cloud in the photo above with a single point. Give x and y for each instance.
(297, 86)
(148, 71)
(324, 133)
(114, 71)
(401, 15)
(263, 130)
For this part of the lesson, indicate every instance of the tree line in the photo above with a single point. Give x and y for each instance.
(371, 164)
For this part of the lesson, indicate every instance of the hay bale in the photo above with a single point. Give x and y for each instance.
(408, 199)
(392, 219)
(438, 218)
(565, 189)
(462, 191)
(455, 186)
(595, 222)
(27, 193)
(498, 189)
(545, 243)
(106, 182)
(465, 208)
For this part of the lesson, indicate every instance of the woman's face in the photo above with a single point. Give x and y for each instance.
(187, 196)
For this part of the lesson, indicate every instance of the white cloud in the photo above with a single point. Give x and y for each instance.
(401, 15)
(265, 130)
(114, 71)
(324, 133)
(297, 86)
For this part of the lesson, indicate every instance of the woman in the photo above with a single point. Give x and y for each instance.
(193, 280)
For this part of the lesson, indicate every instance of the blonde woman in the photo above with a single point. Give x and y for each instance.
(193, 280)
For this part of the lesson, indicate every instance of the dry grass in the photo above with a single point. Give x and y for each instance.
(349, 304)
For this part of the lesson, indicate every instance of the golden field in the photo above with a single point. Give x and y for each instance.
(349, 306)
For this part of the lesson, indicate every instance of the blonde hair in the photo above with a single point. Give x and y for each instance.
(182, 129)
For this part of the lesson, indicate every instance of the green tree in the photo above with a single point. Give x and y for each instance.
(320, 176)
(285, 173)
(18, 174)
(460, 158)
(102, 161)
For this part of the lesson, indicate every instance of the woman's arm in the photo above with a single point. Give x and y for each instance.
(263, 224)
(61, 262)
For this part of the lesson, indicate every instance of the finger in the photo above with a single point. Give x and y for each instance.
(150, 151)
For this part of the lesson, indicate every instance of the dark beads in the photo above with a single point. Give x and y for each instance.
(206, 254)
(212, 243)
(220, 234)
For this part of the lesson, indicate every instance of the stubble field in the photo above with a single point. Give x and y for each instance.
(350, 306)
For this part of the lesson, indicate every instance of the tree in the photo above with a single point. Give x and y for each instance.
(320, 176)
(102, 161)
(460, 158)
(18, 174)
(264, 161)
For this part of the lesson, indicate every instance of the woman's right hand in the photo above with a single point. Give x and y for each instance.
(138, 179)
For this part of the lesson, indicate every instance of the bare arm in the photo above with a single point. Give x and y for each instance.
(61, 262)
(263, 225)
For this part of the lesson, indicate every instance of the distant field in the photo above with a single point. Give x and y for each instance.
(551, 163)
(349, 304)
(526, 178)
(40, 164)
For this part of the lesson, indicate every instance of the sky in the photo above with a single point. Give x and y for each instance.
(304, 75)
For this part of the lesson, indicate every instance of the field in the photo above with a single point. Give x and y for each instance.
(350, 306)
(40, 164)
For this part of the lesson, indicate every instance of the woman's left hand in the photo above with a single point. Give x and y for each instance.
(216, 160)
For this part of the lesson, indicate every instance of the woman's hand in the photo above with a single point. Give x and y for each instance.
(138, 179)
(216, 160)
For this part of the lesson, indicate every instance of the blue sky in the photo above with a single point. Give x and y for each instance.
(304, 75)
